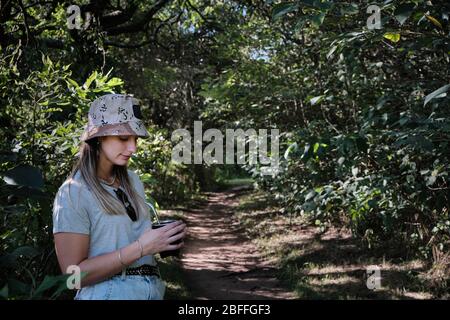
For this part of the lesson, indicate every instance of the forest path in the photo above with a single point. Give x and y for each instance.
(220, 262)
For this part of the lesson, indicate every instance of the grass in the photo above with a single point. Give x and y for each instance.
(226, 184)
(172, 274)
(330, 264)
(238, 182)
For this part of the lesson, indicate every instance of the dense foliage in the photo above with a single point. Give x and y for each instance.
(363, 113)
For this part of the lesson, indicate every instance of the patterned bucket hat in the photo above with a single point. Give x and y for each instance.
(114, 115)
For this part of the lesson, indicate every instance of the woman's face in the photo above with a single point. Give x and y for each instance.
(118, 149)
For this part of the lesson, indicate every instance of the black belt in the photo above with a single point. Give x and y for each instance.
(144, 270)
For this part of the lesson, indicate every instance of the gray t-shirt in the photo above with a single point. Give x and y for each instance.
(80, 212)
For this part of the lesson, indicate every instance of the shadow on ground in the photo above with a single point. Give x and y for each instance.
(331, 264)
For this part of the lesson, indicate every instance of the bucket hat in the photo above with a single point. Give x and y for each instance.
(114, 115)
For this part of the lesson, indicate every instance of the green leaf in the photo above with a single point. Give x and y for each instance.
(308, 3)
(72, 82)
(307, 153)
(91, 78)
(283, 8)
(300, 23)
(317, 19)
(291, 148)
(403, 121)
(323, 5)
(349, 8)
(372, 203)
(25, 175)
(403, 12)
(316, 147)
(50, 282)
(147, 178)
(394, 37)
(309, 206)
(430, 180)
(319, 4)
(436, 93)
(330, 53)
(416, 141)
(4, 292)
(316, 100)
(310, 195)
(113, 82)
(434, 21)
(17, 287)
(23, 192)
(26, 251)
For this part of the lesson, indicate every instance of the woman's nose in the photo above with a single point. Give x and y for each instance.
(132, 146)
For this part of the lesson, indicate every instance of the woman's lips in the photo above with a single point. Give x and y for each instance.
(126, 157)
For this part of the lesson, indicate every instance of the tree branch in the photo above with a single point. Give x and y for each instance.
(196, 10)
(126, 45)
(140, 22)
(25, 21)
(118, 17)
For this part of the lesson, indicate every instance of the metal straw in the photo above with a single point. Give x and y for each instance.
(154, 211)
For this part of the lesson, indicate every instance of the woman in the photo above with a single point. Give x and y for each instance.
(100, 218)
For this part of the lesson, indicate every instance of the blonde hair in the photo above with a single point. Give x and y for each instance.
(87, 165)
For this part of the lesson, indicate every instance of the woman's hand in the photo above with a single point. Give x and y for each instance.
(158, 240)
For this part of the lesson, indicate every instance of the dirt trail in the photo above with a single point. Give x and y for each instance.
(219, 261)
